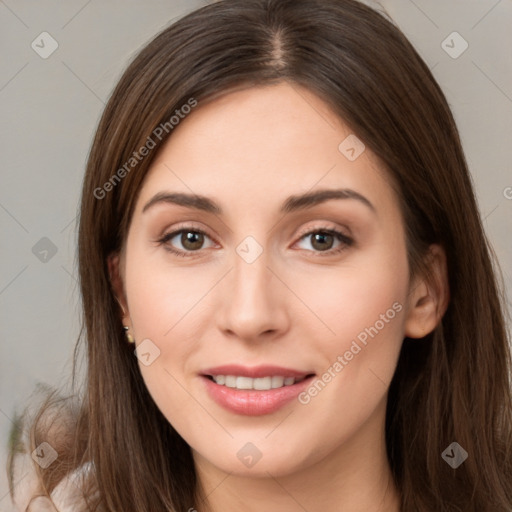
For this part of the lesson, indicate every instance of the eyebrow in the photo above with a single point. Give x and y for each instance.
(292, 203)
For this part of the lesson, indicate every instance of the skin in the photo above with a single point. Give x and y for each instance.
(293, 306)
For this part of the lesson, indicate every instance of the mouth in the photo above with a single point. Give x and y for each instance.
(254, 391)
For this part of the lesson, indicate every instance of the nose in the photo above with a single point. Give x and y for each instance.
(254, 300)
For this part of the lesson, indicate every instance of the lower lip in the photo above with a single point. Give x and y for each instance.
(253, 402)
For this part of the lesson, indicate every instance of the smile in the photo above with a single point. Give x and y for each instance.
(260, 383)
(256, 390)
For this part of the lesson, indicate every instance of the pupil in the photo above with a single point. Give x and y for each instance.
(322, 238)
(192, 238)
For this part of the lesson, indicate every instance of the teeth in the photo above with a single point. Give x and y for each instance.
(260, 383)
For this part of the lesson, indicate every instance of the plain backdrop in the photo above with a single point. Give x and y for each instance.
(50, 107)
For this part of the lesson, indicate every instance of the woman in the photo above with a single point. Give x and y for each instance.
(279, 218)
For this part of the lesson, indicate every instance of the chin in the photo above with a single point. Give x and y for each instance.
(247, 460)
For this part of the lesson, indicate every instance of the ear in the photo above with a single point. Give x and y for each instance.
(429, 296)
(116, 280)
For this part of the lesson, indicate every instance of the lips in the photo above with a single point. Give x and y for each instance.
(237, 396)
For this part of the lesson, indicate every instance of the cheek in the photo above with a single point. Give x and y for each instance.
(354, 297)
(162, 302)
(164, 310)
(361, 307)
(167, 306)
(161, 297)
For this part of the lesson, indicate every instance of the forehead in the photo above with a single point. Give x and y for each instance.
(261, 143)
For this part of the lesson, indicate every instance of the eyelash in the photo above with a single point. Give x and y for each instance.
(346, 241)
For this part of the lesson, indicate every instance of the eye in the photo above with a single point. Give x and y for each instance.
(190, 238)
(322, 240)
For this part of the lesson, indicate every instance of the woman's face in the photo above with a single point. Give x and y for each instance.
(261, 279)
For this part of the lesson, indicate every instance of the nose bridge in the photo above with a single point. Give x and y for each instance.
(251, 303)
(250, 276)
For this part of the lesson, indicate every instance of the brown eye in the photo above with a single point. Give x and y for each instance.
(323, 240)
(191, 240)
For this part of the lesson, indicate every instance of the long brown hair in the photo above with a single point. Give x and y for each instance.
(452, 385)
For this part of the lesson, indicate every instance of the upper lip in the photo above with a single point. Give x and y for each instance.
(255, 371)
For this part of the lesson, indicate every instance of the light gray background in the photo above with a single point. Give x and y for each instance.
(50, 107)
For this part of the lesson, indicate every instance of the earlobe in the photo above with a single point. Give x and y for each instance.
(429, 297)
